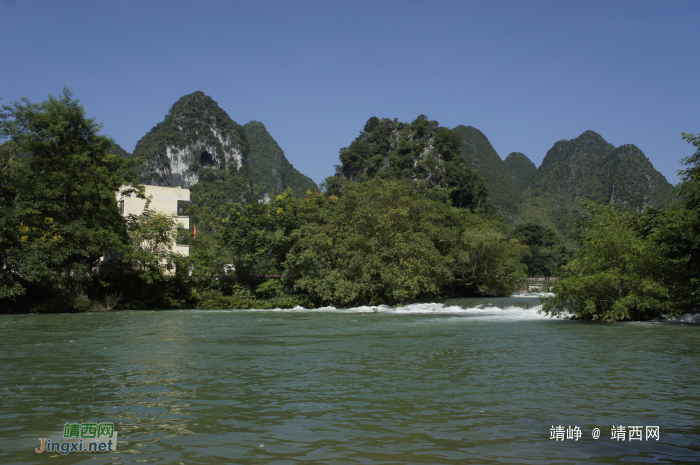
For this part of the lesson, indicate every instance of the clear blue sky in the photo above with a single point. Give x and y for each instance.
(527, 74)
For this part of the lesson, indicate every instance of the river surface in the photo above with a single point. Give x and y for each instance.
(466, 381)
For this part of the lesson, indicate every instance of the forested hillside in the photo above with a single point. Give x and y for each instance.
(421, 151)
(522, 170)
(481, 156)
(270, 171)
(118, 150)
(590, 168)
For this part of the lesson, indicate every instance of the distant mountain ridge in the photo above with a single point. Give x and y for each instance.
(586, 167)
(199, 146)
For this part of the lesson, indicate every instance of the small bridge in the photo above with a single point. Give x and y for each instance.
(538, 284)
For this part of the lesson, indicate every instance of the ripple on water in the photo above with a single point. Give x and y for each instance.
(465, 380)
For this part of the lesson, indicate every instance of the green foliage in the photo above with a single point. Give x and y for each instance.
(217, 188)
(241, 297)
(270, 171)
(152, 236)
(383, 242)
(547, 251)
(690, 187)
(421, 151)
(677, 232)
(117, 150)
(616, 275)
(522, 170)
(58, 213)
(478, 152)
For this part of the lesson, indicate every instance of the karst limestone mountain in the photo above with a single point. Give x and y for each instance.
(198, 144)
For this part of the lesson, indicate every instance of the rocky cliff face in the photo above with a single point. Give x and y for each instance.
(195, 134)
(199, 146)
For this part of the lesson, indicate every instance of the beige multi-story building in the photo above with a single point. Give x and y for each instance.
(163, 200)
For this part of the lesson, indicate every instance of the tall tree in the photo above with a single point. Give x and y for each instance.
(58, 212)
(616, 275)
(547, 251)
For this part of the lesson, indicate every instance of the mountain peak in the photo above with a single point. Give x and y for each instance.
(592, 168)
(522, 170)
(195, 134)
(478, 152)
(270, 171)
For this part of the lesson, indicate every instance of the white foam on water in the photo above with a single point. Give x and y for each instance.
(478, 312)
(534, 295)
(687, 318)
(506, 313)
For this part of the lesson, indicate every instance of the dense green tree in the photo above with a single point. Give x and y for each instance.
(149, 250)
(58, 212)
(616, 275)
(384, 242)
(677, 232)
(421, 151)
(547, 250)
(217, 188)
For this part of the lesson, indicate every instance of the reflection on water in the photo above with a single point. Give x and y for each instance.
(466, 380)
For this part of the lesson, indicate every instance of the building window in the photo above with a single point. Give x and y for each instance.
(121, 207)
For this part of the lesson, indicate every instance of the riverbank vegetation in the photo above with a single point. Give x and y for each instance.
(635, 266)
(404, 219)
(65, 247)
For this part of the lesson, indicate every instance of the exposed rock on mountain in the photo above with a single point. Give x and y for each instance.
(270, 171)
(522, 170)
(200, 147)
(195, 134)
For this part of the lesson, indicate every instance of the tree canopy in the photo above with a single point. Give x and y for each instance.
(58, 211)
(421, 151)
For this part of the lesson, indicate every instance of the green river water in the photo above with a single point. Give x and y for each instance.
(467, 381)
